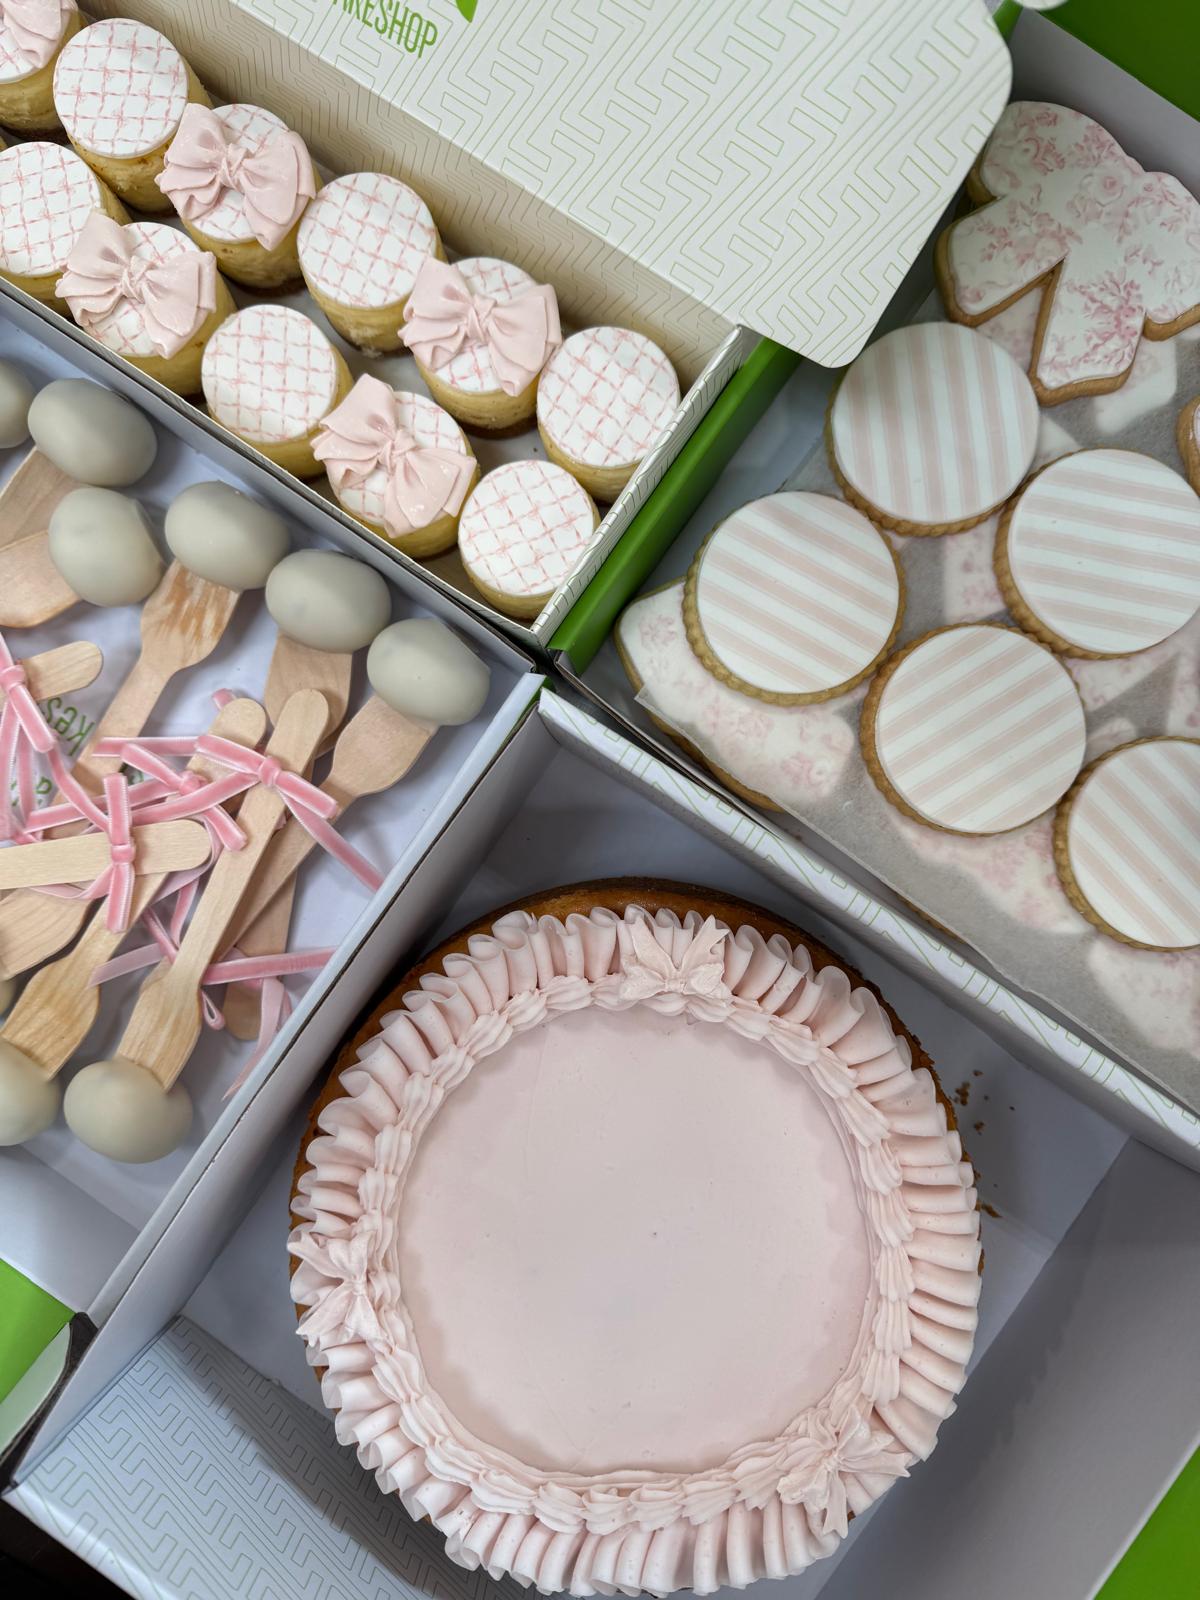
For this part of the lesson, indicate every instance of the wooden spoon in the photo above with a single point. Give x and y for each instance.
(375, 750)
(159, 847)
(32, 589)
(182, 623)
(162, 1031)
(31, 495)
(64, 670)
(298, 666)
(57, 1007)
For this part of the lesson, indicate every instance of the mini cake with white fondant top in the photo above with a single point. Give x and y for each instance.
(523, 528)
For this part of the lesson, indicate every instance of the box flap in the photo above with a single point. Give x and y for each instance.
(780, 161)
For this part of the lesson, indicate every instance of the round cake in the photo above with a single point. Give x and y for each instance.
(529, 1238)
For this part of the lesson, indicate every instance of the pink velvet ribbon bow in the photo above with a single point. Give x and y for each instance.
(442, 317)
(35, 28)
(273, 176)
(173, 294)
(24, 733)
(424, 482)
(114, 884)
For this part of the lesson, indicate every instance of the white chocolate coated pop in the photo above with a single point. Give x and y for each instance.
(100, 543)
(122, 1111)
(92, 434)
(423, 670)
(16, 396)
(28, 1101)
(223, 535)
(327, 601)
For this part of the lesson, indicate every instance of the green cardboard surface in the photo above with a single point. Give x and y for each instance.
(29, 1319)
(1157, 42)
(1163, 1562)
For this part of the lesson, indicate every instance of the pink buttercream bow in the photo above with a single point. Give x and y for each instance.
(442, 317)
(24, 733)
(35, 27)
(274, 176)
(174, 294)
(424, 482)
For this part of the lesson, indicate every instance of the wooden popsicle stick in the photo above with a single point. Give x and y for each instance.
(62, 670)
(57, 1007)
(158, 847)
(182, 623)
(374, 750)
(165, 1024)
(31, 495)
(298, 666)
(32, 589)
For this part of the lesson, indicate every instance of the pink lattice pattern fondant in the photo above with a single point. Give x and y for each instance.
(21, 58)
(120, 88)
(524, 527)
(248, 126)
(431, 428)
(606, 397)
(124, 329)
(471, 369)
(269, 374)
(47, 194)
(363, 238)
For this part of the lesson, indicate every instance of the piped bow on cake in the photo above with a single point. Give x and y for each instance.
(365, 433)
(273, 175)
(442, 317)
(173, 294)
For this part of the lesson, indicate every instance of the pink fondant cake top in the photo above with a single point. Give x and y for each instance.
(30, 33)
(472, 367)
(607, 396)
(593, 1432)
(269, 373)
(120, 88)
(524, 527)
(363, 239)
(47, 193)
(142, 289)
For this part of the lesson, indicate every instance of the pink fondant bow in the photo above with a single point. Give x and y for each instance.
(274, 177)
(24, 732)
(34, 27)
(365, 432)
(174, 294)
(443, 317)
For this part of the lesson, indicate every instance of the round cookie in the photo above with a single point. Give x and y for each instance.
(931, 429)
(92, 434)
(1099, 554)
(793, 598)
(100, 543)
(521, 531)
(973, 728)
(146, 292)
(240, 180)
(32, 36)
(1127, 843)
(120, 90)
(47, 194)
(481, 332)
(398, 463)
(1187, 435)
(361, 244)
(270, 375)
(223, 535)
(604, 400)
(327, 600)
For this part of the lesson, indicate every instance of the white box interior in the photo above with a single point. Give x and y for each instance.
(1089, 1255)
(76, 1220)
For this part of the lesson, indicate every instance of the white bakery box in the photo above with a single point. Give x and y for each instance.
(189, 1456)
(80, 1227)
(643, 159)
(1049, 64)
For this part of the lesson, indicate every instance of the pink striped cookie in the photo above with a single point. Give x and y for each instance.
(932, 428)
(974, 728)
(1127, 843)
(120, 89)
(1188, 437)
(270, 375)
(361, 243)
(605, 399)
(1099, 555)
(47, 193)
(32, 35)
(792, 599)
(521, 532)
(1112, 250)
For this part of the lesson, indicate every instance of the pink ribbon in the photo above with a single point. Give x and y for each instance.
(442, 317)
(274, 177)
(168, 795)
(114, 884)
(365, 432)
(173, 295)
(24, 733)
(35, 28)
